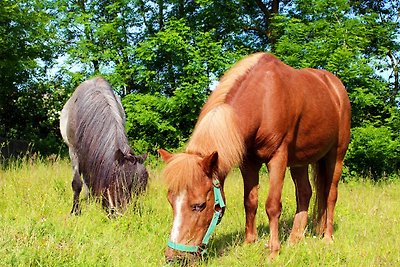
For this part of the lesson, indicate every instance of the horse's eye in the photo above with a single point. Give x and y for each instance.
(199, 207)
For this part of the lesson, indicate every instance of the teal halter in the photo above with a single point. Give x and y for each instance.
(218, 202)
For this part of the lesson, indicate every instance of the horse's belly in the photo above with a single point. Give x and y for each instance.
(305, 145)
(311, 147)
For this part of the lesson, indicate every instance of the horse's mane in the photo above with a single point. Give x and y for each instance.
(100, 133)
(182, 171)
(216, 130)
(231, 79)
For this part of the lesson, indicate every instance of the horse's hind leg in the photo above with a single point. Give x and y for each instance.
(329, 171)
(76, 182)
(303, 196)
(334, 168)
(250, 174)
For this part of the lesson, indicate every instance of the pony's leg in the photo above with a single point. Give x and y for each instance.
(76, 182)
(303, 196)
(276, 167)
(250, 171)
(86, 188)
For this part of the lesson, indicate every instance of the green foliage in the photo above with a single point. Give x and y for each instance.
(175, 67)
(28, 45)
(179, 57)
(373, 152)
(148, 122)
(169, 53)
(97, 38)
(325, 34)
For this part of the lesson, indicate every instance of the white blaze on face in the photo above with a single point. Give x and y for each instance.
(178, 217)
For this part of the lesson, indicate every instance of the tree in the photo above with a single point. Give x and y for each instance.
(162, 56)
(325, 34)
(174, 69)
(27, 48)
(100, 37)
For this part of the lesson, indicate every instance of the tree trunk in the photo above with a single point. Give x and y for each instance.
(275, 7)
(268, 14)
(181, 8)
(395, 66)
(161, 14)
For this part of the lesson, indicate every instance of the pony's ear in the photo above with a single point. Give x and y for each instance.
(142, 158)
(121, 157)
(165, 155)
(210, 163)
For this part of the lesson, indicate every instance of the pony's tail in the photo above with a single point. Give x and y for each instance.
(321, 195)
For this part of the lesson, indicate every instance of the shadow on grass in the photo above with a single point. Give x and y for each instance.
(225, 243)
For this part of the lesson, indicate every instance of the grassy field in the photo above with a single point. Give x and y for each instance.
(36, 229)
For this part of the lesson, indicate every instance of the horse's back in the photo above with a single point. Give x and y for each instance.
(343, 108)
(306, 111)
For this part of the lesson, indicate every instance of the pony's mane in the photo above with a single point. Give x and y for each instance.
(100, 133)
(216, 130)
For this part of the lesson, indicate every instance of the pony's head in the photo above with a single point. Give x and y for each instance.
(131, 177)
(196, 197)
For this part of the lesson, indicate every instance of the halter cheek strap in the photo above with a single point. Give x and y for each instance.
(218, 205)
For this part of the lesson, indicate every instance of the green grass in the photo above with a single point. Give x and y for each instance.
(36, 229)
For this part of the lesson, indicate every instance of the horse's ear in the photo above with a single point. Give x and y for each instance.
(210, 163)
(165, 155)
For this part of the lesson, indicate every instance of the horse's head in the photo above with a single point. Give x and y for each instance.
(195, 195)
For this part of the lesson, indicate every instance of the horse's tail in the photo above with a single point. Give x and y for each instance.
(321, 185)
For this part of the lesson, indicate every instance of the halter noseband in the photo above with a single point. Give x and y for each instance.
(218, 202)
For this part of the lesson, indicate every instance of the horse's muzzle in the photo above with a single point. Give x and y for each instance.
(176, 256)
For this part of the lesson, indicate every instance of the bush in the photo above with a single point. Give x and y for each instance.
(374, 152)
(148, 122)
(156, 121)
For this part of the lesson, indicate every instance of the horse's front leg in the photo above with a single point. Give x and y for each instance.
(250, 174)
(273, 206)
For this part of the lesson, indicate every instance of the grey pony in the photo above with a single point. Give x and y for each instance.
(92, 124)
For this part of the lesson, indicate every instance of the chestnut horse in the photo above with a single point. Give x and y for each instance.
(262, 111)
(92, 125)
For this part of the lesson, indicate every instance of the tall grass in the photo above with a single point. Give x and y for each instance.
(36, 228)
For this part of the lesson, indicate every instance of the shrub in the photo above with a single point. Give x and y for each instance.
(374, 152)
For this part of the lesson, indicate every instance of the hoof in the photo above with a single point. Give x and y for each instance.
(273, 255)
(328, 240)
(250, 240)
(294, 239)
